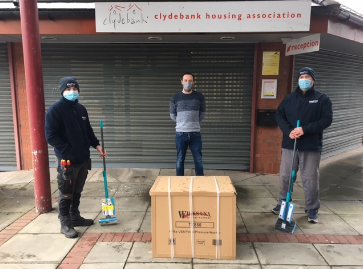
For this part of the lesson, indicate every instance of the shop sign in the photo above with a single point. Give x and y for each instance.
(188, 17)
(303, 45)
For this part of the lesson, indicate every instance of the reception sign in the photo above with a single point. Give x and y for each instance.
(303, 45)
(187, 17)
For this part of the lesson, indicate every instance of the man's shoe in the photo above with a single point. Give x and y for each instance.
(69, 231)
(276, 210)
(313, 216)
(82, 222)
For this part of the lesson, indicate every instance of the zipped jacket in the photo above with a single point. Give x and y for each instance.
(68, 130)
(315, 112)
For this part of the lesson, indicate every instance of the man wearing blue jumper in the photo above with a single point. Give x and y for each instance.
(187, 109)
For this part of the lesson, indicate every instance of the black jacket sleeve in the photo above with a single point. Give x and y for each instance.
(325, 119)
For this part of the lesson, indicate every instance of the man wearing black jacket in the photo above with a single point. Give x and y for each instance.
(314, 111)
(68, 130)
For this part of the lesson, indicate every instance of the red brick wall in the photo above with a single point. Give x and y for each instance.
(268, 139)
(20, 89)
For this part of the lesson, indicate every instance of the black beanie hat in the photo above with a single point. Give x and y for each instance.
(307, 70)
(67, 82)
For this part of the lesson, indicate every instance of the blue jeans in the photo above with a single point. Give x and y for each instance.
(194, 142)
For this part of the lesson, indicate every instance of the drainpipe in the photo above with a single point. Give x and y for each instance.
(36, 107)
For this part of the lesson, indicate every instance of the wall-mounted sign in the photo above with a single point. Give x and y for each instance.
(269, 89)
(303, 45)
(187, 17)
(270, 63)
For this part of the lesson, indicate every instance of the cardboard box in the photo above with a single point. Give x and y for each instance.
(210, 232)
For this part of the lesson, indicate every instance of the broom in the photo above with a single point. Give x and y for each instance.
(285, 222)
(108, 204)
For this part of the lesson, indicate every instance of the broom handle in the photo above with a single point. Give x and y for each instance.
(104, 161)
(103, 146)
(292, 173)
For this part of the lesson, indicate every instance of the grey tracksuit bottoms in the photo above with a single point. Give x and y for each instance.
(308, 162)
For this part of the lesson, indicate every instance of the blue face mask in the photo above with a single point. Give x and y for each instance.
(71, 95)
(304, 84)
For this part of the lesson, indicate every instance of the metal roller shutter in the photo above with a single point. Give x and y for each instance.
(129, 87)
(339, 76)
(8, 154)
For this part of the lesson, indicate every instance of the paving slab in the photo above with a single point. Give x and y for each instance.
(298, 192)
(115, 173)
(40, 248)
(294, 267)
(146, 223)
(344, 207)
(288, 254)
(25, 191)
(102, 265)
(243, 178)
(346, 267)
(300, 207)
(211, 172)
(97, 176)
(355, 221)
(5, 175)
(225, 265)
(328, 224)
(141, 175)
(245, 254)
(91, 174)
(246, 204)
(92, 204)
(28, 266)
(96, 189)
(253, 191)
(133, 190)
(48, 223)
(7, 218)
(22, 176)
(269, 179)
(172, 172)
(342, 254)
(248, 181)
(8, 190)
(17, 204)
(108, 252)
(158, 266)
(341, 192)
(133, 203)
(263, 223)
(141, 252)
(128, 222)
(240, 225)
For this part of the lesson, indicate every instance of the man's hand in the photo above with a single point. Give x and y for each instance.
(296, 133)
(100, 150)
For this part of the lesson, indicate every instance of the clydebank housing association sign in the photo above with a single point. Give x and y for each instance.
(188, 17)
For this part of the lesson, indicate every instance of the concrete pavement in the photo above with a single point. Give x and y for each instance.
(29, 240)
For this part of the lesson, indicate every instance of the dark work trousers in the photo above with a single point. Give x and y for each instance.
(68, 203)
(308, 162)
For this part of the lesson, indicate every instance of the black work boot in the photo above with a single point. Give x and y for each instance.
(68, 231)
(76, 218)
(80, 221)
